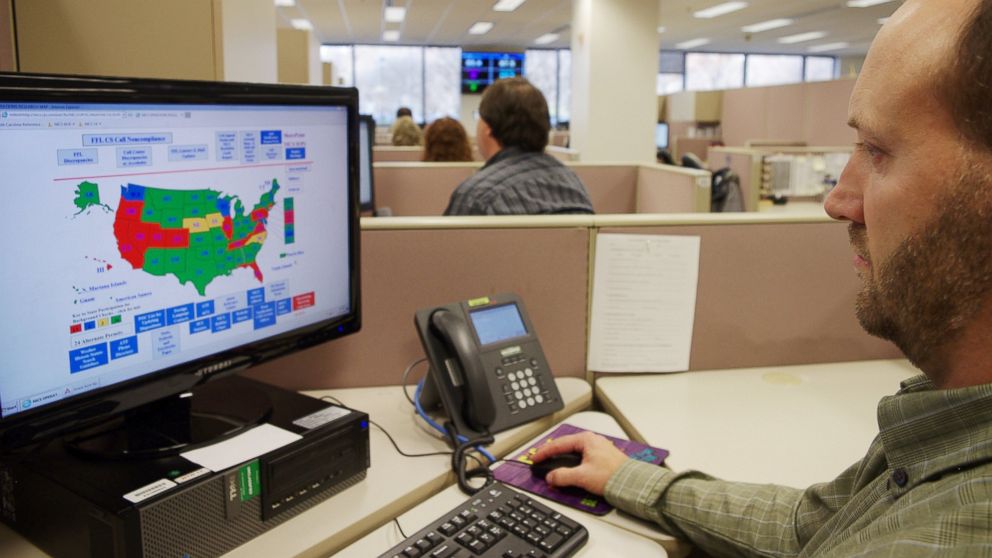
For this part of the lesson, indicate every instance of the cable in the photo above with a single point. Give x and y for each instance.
(396, 520)
(456, 439)
(406, 373)
(460, 466)
(388, 435)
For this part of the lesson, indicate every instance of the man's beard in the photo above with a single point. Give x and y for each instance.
(936, 280)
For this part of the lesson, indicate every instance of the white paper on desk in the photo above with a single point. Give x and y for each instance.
(643, 302)
(243, 447)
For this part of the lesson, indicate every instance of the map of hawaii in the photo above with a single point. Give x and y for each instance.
(195, 235)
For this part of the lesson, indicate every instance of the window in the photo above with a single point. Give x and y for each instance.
(821, 68)
(340, 57)
(669, 83)
(564, 85)
(442, 76)
(771, 69)
(708, 71)
(387, 78)
(541, 69)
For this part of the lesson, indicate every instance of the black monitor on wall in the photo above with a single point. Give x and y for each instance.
(481, 69)
(164, 233)
(366, 187)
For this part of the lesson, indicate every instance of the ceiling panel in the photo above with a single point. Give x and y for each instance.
(446, 22)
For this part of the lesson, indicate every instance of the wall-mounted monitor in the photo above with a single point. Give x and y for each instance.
(162, 233)
(480, 69)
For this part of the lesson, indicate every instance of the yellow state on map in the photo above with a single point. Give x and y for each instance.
(195, 224)
(215, 220)
(257, 238)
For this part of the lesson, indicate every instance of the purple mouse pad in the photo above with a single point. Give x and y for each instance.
(516, 471)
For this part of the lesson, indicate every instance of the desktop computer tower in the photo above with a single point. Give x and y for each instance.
(70, 505)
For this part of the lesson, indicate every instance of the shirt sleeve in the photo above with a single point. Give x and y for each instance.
(723, 518)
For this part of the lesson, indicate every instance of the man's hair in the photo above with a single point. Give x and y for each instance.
(517, 114)
(404, 111)
(445, 140)
(967, 89)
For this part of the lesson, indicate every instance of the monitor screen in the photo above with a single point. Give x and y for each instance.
(498, 323)
(168, 229)
(480, 69)
(366, 136)
(661, 135)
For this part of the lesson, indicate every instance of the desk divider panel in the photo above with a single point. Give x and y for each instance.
(408, 268)
(671, 189)
(396, 153)
(773, 293)
(419, 189)
(746, 163)
(612, 187)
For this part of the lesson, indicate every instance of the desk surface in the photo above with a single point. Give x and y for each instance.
(338, 521)
(792, 425)
(614, 534)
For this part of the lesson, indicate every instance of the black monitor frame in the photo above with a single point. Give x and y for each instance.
(99, 405)
(369, 123)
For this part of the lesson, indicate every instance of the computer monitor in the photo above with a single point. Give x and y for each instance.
(661, 135)
(162, 233)
(366, 137)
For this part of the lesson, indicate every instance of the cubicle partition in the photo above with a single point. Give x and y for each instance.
(772, 290)
(423, 189)
(397, 153)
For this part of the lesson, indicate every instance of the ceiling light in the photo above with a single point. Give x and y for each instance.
(546, 38)
(865, 3)
(480, 28)
(507, 5)
(686, 45)
(301, 24)
(720, 9)
(767, 25)
(394, 14)
(662, 29)
(285, 3)
(802, 37)
(392, 35)
(882, 20)
(828, 47)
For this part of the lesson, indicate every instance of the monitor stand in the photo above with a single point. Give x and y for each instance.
(206, 414)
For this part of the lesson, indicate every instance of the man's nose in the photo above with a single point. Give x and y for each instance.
(846, 202)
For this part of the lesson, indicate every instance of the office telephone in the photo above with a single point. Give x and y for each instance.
(487, 369)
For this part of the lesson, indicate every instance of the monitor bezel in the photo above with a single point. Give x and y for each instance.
(92, 407)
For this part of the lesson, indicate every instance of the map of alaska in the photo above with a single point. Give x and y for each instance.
(195, 235)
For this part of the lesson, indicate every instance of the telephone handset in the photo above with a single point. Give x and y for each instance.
(487, 366)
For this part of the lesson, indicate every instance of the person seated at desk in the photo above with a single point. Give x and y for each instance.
(922, 238)
(406, 132)
(445, 140)
(519, 178)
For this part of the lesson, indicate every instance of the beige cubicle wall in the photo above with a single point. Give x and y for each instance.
(414, 263)
(423, 189)
(812, 112)
(772, 290)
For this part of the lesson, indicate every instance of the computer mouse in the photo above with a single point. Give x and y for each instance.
(541, 470)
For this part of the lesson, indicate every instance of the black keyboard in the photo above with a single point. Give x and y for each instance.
(496, 522)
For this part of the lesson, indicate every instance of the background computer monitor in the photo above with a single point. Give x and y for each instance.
(661, 135)
(366, 190)
(481, 69)
(163, 233)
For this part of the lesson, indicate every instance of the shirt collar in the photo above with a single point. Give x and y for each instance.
(503, 154)
(928, 431)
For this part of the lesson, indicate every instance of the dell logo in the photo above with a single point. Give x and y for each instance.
(232, 489)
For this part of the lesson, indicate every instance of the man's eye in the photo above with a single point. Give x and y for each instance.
(870, 150)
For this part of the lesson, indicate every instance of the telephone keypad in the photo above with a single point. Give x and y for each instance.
(523, 387)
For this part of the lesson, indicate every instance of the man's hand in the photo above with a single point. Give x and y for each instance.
(600, 459)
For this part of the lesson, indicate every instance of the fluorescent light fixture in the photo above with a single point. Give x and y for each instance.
(802, 37)
(394, 14)
(507, 5)
(392, 35)
(828, 47)
(285, 3)
(546, 38)
(686, 45)
(720, 9)
(865, 3)
(480, 28)
(301, 24)
(767, 25)
(882, 20)
(662, 29)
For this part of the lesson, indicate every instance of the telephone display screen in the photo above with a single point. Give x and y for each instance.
(498, 324)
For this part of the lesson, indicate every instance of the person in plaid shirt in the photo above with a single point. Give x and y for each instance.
(917, 193)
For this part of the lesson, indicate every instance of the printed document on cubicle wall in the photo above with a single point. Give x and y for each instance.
(643, 302)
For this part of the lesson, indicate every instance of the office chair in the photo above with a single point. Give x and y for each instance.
(665, 157)
(692, 161)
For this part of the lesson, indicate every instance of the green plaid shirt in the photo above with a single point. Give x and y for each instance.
(924, 489)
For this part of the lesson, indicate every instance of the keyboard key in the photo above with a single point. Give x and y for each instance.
(477, 547)
(447, 528)
(434, 538)
(423, 545)
(551, 542)
(411, 552)
(444, 551)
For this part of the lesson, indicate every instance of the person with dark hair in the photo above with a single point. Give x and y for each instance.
(445, 140)
(404, 111)
(519, 178)
(917, 194)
